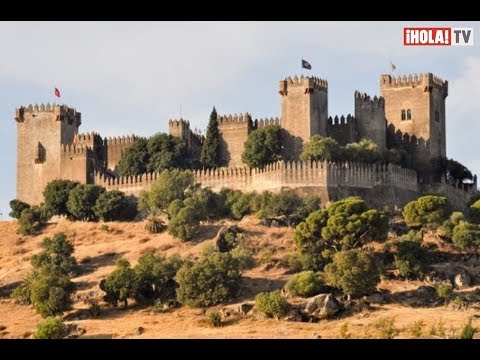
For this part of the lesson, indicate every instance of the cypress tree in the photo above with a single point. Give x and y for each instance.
(210, 156)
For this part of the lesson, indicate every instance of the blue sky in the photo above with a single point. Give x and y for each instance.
(132, 77)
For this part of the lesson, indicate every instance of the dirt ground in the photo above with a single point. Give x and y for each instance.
(97, 250)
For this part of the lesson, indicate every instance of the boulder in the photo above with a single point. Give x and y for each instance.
(138, 330)
(427, 293)
(321, 306)
(275, 223)
(266, 222)
(244, 308)
(294, 315)
(462, 279)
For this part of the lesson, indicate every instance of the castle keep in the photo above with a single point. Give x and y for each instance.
(409, 114)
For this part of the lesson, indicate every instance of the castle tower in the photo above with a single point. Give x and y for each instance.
(415, 105)
(41, 130)
(234, 130)
(180, 128)
(304, 110)
(370, 116)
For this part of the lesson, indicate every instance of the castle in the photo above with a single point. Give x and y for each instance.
(409, 114)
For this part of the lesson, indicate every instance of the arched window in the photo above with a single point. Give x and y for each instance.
(437, 116)
(403, 115)
(409, 114)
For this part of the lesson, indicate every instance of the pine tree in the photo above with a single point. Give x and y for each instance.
(210, 156)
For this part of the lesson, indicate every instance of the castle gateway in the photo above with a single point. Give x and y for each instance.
(410, 113)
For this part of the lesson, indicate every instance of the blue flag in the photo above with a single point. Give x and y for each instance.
(306, 65)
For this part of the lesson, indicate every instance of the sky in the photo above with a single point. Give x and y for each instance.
(132, 77)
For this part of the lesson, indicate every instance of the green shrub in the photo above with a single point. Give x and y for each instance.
(438, 329)
(237, 203)
(184, 224)
(305, 284)
(209, 281)
(244, 257)
(214, 319)
(32, 220)
(134, 159)
(272, 304)
(94, 308)
(50, 328)
(444, 291)
(410, 258)
(227, 239)
(474, 211)
(155, 277)
(170, 186)
(81, 201)
(56, 195)
(344, 334)
(466, 236)
(343, 225)
(320, 148)
(57, 252)
(364, 151)
(154, 225)
(427, 212)
(468, 330)
(120, 285)
(51, 291)
(114, 206)
(17, 207)
(446, 230)
(22, 294)
(387, 328)
(354, 272)
(417, 329)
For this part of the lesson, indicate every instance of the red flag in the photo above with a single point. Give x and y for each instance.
(57, 92)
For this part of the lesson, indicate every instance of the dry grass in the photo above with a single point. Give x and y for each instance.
(97, 251)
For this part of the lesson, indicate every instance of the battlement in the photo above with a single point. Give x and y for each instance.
(74, 149)
(424, 79)
(260, 123)
(62, 112)
(126, 139)
(375, 101)
(233, 119)
(342, 120)
(309, 83)
(178, 122)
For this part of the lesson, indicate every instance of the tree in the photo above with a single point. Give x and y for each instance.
(170, 185)
(56, 195)
(81, 201)
(165, 152)
(17, 207)
(185, 223)
(457, 171)
(113, 205)
(211, 280)
(410, 258)
(305, 284)
(272, 304)
(211, 156)
(366, 151)
(51, 291)
(134, 159)
(344, 225)
(156, 277)
(354, 272)
(428, 211)
(263, 146)
(57, 252)
(50, 328)
(121, 284)
(475, 212)
(320, 148)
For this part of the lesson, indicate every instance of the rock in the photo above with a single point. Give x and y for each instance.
(376, 298)
(294, 315)
(74, 331)
(138, 330)
(266, 222)
(244, 308)
(462, 279)
(275, 223)
(321, 306)
(225, 312)
(357, 306)
(426, 294)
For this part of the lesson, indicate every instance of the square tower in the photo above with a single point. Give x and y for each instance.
(304, 110)
(415, 106)
(41, 130)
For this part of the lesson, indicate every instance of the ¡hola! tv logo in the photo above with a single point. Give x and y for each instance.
(438, 36)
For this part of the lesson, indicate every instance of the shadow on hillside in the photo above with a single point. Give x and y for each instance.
(84, 285)
(252, 286)
(207, 231)
(89, 265)
(6, 290)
